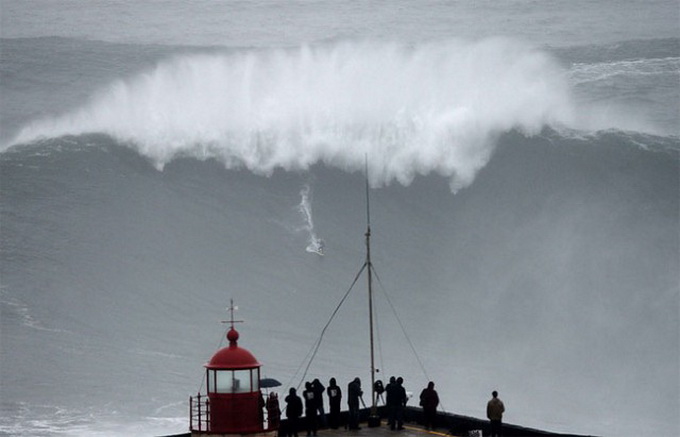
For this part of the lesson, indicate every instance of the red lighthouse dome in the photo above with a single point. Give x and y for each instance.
(233, 356)
(234, 403)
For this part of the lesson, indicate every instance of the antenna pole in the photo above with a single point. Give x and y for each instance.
(368, 205)
(374, 419)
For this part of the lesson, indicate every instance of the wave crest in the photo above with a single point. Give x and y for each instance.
(435, 107)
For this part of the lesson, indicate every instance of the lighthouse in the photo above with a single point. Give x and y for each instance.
(233, 404)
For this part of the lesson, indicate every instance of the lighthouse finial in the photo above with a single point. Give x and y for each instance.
(231, 308)
(232, 335)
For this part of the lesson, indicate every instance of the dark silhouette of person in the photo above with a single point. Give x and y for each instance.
(293, 413)
(494, 412)
(390, 401)
(400, 401)
(261, 403)
(334, 398)
(396, 401)
(379, 390)
(273, 411)
(429, 400)
(311, 407)
(354, 394)
(318, 393)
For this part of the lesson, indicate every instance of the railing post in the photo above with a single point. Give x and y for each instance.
(198, 401)
(191, 413)
(207, 414)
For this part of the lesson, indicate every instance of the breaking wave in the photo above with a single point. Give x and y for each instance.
(432, 108)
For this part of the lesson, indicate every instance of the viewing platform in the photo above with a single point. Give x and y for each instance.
(449, 425)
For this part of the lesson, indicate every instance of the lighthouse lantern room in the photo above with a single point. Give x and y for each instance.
(234, 403)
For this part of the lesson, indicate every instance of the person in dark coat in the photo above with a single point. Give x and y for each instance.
(293, 413)
(311, 407)
(390, 397)
(334, 397)
(429, 400)
(261, 403)
(400, 403)
(395, 400)
(354, 394)
(318, 393)
(494, 412)
(273, 411)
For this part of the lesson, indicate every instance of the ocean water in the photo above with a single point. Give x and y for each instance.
(161, 158)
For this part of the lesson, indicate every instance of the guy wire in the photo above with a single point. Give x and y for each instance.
(323, 331)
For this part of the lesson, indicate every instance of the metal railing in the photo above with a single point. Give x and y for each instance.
(199, 413)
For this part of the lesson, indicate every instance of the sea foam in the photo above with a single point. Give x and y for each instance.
(435, 107)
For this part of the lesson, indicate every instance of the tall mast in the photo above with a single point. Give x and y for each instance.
(374, 407)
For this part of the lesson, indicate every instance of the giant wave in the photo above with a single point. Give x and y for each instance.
(413, 110)
(556, 268)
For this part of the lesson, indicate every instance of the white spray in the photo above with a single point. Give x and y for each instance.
(436, 107)
(316, 244)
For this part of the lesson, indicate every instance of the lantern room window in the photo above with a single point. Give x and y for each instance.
(234, 381)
